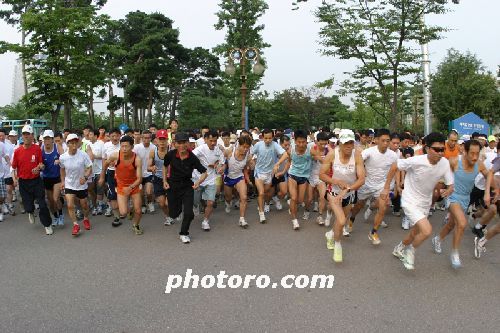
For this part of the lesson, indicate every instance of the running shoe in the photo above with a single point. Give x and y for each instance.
(94, 211)
(479, 246)
(316, 207)
(143, 210)
(31, 217)
(408, 258)
(116, 222)
(436, 244)
(374, 238)
(306, 215)
(328, 218)
(337, 252)
(5, 209)
(242, 223)
(329, 240)
(12, 210)
(205, 225)
(99, 210)
(185, 239)
(168, 220)
(108, 211)
(151, 207)
(279, 206)
(237, 204)
(320, 220)
(345, 231)
(405, 223)
(267, 208)
(367, 213)
(86, 224)
(262, 217)
(399, 250)
(295, 224)
(383, 224)
(49, 230)
(228, 207)
(55, 220)
(60, 222)
(76, 230)
(137, 229)
(455, 260)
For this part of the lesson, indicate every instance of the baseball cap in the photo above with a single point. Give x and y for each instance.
(465, 137)
(233, 138)
(27, 129)
(346, 135)
(180, 137)
(161, 134)
(255, 136)
(48, 133)
(71, 136)
(13, 133)
(192, 140)
(492, 138)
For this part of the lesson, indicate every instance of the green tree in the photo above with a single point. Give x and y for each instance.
(382, 36)
(462, 85)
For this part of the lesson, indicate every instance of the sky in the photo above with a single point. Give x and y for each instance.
(294, 60)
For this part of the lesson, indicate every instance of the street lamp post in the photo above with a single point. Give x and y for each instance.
(242, 56)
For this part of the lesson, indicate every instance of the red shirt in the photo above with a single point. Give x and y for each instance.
(25, 160)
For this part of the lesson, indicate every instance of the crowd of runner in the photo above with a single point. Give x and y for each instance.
(333, 175)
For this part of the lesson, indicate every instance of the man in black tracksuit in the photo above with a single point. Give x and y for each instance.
(177, 173)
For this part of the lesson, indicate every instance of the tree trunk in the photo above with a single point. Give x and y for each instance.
(111, 111)
(127, 115)
(150, 107)
(394, 105)
(135, 117)
(67, 114)
(175, 100)
(54, 116)
(91, 108)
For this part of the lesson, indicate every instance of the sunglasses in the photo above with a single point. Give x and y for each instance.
(438, 149)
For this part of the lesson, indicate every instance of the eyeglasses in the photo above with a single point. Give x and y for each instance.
(438, 149)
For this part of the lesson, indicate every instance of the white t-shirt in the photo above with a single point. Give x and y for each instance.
(480, 181)
(209, 157)
(143, 153)
(108, 150)
(421, 178)
(97, 149)
(9, 151)
(377, 166)
(74, 166)
(200, 142)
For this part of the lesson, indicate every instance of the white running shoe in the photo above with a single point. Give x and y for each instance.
(436, 244)
(345, 231)
(94, 211)
(328, 218)
(279, 206)
(408, 258)
(228, 207)
(367, 213)
(49, 230)
(143, 209)
(306, 215)
(330, 244)
(185, 239)
(295, 224)
(205, 225)
(405, 223)
(398, 250)
(242, 223)
(5, 209)
(455, 260)
(320, 220)
(383, 224)
(262, 217)
(109, 211)
(31, 217)
(151, 207)
(168, 220)
(316, 207)
(267, 208)
(479, 246)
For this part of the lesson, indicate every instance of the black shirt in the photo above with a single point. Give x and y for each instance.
(181, 171)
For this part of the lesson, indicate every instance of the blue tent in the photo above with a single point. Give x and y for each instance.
(470, 123)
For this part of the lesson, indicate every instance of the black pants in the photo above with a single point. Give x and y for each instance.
(31, 190)
(396, 203)
(180, 198)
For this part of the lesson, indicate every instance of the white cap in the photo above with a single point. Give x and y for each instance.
(71, 136)
(48, 133)
(192, 140)
(336, 131)
(346, 135)
(333, 139)
(27, 129)
(13, 133)
(255, 136)
(40, 138)
(460, 141)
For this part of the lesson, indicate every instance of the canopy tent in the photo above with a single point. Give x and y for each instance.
(470, 123)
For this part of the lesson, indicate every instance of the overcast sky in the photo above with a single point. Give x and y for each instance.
(294, 60)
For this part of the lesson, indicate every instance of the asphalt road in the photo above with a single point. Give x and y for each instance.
(110, 280)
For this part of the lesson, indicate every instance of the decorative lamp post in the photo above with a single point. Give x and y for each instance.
(241, 57)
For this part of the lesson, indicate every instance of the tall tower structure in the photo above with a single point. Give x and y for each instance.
(17, 83)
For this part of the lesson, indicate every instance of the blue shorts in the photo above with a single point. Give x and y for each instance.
(299, 180)
(232, 182)
(207, 192)
(110, 179)
(462, 200)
